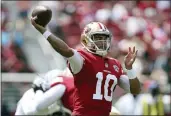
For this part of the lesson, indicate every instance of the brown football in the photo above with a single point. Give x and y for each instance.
(42, 14)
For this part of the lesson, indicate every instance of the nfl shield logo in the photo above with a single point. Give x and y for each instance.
(116, 68)
(106, 65)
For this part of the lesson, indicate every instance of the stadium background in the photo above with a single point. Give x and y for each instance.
(25, 53)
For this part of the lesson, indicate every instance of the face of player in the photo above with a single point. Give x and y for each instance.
(101, 41)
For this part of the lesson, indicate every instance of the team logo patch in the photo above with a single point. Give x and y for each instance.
(116, 68)
(87, 30)
(106, 65)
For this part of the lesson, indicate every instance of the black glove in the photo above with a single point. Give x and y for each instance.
(35, 88)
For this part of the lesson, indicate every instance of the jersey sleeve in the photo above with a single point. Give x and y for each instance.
(76, 62)
(124, 83)
(42, 100)
(123, 79)
(49, 97)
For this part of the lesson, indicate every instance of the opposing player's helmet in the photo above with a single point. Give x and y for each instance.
(96, 38)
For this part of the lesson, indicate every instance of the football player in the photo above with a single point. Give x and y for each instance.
(95, 74)
(40, 101)
(37, 102)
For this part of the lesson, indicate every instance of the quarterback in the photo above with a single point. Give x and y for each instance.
(95, 73)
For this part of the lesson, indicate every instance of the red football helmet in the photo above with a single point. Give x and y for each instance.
(96, 38)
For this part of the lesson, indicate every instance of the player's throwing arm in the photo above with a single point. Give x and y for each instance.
(39, 14)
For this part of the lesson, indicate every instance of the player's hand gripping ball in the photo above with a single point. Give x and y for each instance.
(42, 15)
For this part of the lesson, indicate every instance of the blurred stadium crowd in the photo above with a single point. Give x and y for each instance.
(144, 24)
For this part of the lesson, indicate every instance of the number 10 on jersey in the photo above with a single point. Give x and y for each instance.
(98, 95)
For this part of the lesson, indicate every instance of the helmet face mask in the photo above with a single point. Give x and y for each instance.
(101, 41)
(95, 39)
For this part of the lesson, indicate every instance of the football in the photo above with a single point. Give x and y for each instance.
(42, 15)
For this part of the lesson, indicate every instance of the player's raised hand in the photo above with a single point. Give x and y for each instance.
(40, 28)
(130, 58)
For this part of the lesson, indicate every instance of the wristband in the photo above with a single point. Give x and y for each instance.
(131, 74)
(46, 34)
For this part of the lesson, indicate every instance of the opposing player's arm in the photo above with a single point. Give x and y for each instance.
(43, 100)
(50, 96)
(74, 58)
